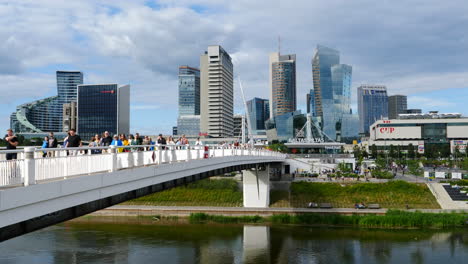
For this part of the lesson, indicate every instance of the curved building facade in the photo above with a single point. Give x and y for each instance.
(45, 115)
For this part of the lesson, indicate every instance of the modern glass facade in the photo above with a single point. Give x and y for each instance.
(283, 84)
(188, 122)
(372, 104)
(287, 125)
(259, 112)
(45, 115)
(100, 108)
(332, 93)
(188, 125)
(67, 82)
(189, 91)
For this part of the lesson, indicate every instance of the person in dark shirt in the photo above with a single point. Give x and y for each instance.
(162, 141)
(12, 142)
(106, 139)
(74, 141)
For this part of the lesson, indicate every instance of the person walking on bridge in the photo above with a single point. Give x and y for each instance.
(12, 142)
(74, 141)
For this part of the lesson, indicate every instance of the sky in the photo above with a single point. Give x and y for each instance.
(417, 48)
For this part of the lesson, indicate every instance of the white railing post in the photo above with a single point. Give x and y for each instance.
(222, 151)
(113, 157)
(29, 166)
(188, 153)
(159, 154)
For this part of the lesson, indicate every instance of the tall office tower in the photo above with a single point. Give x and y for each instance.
(372, 105)
(188, 122)
(397, 104)
(67, 82)
(103, 107)
(282, 84)
(45, 115)
(332, 93)
(216, 93)
(310, 103)
(259, 112)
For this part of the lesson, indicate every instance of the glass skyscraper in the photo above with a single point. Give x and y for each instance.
(45, 115)
(372, 104)
(259, 112)
(189, 91)
(103, 107)
(188, 122)
(283, 84)
(332, 93)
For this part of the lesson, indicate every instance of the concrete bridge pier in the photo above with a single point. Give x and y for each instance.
(256, 185)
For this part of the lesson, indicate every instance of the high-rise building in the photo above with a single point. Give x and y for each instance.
(103, 107)
(282, 84)
(372, 104)
(332, 93)
(259, 112)
(188, 122)
(45, 115)
(189, 91)
(216, 93)
(397, 104)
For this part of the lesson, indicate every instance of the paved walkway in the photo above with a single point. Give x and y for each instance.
(133, 210)
(444, 199)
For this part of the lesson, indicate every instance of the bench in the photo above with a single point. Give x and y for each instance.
(326, 205)
(373, 206)
(313, 205)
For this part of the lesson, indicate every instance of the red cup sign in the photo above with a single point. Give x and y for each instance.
(387, 130)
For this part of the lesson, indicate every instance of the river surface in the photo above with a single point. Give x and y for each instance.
(155, 242)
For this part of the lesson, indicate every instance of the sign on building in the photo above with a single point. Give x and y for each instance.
(460, 144)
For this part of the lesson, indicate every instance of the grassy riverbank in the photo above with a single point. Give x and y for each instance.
(226, 193)
(393, 219)
(223, 192)
(393, 194)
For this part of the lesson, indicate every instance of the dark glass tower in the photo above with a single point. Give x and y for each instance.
(259, 112)
(103, 107)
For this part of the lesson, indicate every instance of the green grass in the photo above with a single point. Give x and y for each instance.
(393, 194)
(392, 219)
(223, 192)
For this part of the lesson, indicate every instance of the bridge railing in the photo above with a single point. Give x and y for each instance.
(36, 164)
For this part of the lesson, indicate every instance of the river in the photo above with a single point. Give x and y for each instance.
(156, 242)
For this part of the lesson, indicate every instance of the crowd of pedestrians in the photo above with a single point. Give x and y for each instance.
(123, 143)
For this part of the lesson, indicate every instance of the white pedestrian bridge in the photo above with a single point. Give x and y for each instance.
(38, 191)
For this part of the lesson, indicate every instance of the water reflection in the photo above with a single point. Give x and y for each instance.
(148, 242)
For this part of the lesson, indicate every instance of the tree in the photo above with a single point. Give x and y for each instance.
(411, 153)
(357, 152)
(373, 151)
(393, 153)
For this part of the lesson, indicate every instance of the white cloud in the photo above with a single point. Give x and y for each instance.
(411, 47)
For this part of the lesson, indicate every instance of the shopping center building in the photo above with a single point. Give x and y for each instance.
(425, 132)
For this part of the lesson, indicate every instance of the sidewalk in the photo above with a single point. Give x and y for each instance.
(444, 199)
(144, 210)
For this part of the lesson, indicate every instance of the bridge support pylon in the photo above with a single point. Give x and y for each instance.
(256, 185)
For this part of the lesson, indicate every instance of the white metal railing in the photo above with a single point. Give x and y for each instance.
(35, 164)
